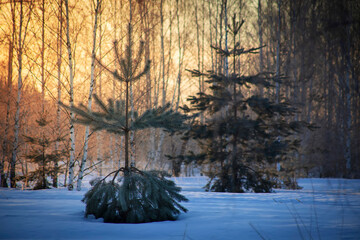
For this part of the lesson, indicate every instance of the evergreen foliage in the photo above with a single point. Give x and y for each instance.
(112, 117)
(140, 196)
(245, 134)
(43, 156)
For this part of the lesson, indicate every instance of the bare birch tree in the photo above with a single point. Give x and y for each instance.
(71, 102)
(97, 8)
(58, 110)
(21, 41)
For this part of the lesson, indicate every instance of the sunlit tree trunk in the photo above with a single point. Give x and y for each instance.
(179, 59)
(3, 182)
(21, 40)
(203, 47)
(114, 138)
(156, 84)
(218, 37)
(127, 97)
(91, 89)
(211, 35)
(43, 83)
(198, 43)
(120, 153)
(148, 19)
(157, 156)
(226, 60)
(58, 111)
(72, 115)
(162, 52)
(198, 40)
(170, 45)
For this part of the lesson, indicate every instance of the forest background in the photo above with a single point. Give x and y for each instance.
(50, 53)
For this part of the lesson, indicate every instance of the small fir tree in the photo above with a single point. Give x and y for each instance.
(43, 155)
(245, 134)
(139, 196)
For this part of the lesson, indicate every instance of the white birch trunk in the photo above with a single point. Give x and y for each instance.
(158, 150)
(178, 86)
(198, 41)
(91, 89)
(99, 135)
(58, 111)
(169, 47)
(162, 52)
(211, 36)
(43, 58)
(203, 47)
(72, 115)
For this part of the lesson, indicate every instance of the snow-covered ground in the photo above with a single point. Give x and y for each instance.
(323, 209)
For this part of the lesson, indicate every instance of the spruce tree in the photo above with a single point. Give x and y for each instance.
(43, 155)
(138, 196)
(245, 134)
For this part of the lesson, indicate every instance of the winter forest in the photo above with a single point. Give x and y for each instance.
(250, 95)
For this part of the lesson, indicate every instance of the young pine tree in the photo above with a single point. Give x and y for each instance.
(139, 196)
(244, 134)
(43, 155)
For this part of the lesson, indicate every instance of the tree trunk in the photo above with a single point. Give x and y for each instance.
(43, 83)
(203, 47)
(91, 89)
(261, 67)
(158, 153)
(211, 36)
(121, 152)
(348, 116)
(58, 112)
(226, 60)
(151, 152)
(127, 97)
(132, 133)
(198, 50)
(162, 53)
(18, 100)
(72, 115)
(277, 95)
(3, 182)
(278, 53)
